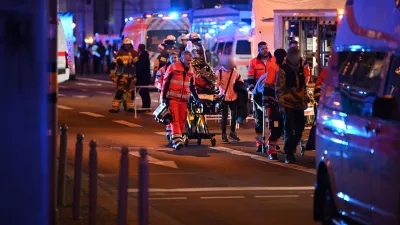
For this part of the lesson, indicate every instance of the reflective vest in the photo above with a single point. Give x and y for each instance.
(178, 82)
(257, 68)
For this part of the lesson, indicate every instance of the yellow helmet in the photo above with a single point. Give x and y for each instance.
(127, 41)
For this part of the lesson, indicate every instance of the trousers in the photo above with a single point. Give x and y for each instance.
(233, 107)
(293, 121)
(124, 85)
(178, 110)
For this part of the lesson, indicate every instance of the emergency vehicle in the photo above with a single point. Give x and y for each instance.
(358, 121)
(152, 29)
(313, 23)
(62, 55)
(233, 41)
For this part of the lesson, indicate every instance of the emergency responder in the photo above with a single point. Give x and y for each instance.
(307, 74)
(184, 40)
(260, 64)
(292, 99)
(123, 74)
(318, 85)
(196, 40)
(173, 58)
(177, 87)
(264, 99)
(166, 47)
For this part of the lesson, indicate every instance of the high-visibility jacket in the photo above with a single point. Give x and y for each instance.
(160, 76)
(124, 62)
(257, 68)
(318, 85)
(228, 89)
(178, 82)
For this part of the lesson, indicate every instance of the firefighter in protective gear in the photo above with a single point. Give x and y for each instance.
(196, 41)
(260, 65)
(264, 97)
(165, 48)
(184, 40)
(173, 58)
(123, 74)
(177, 87)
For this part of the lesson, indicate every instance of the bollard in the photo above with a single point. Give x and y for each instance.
(76, 201)
(143, 188)
(62, 165)
(93, 183)
(123, 187)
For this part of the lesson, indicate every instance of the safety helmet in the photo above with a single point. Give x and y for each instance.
(194, 37)
(184, 37)
(127, 41)
(170, 40)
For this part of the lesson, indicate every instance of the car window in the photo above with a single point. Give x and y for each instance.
(220, 47)
(393, 87)
(228, 48)
(360, 77)
(214, 48)
(243, 47)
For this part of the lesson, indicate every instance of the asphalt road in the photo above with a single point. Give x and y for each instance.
(226, 184)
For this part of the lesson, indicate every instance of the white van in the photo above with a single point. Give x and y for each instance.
(232, 41)
(358, 120)
(62, 55)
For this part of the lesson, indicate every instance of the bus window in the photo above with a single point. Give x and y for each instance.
(155, 37)
(243, 47)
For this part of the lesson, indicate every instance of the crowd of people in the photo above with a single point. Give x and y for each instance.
(277, 82)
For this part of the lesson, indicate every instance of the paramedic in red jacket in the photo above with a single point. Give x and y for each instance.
(178, 85)
(260, 64)
(173, 58)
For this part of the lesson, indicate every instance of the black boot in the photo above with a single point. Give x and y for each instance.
(224, 138)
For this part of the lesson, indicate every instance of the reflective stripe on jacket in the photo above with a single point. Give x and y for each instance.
(177, 82)
(160, 77)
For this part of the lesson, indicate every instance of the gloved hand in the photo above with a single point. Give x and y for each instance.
(165, 101)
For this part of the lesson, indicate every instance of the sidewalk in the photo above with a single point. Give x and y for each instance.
(107, 204)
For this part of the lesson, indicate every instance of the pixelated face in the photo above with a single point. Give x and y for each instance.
(187, 60)
(173, 58)
(263, 50)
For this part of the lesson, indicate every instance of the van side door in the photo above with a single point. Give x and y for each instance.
(360, 83)
(386, 146)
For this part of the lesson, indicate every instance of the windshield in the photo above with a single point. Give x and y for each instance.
(155, 37)
(243, 47)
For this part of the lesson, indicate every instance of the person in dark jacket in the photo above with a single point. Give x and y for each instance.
(143, 75)
(292, 99)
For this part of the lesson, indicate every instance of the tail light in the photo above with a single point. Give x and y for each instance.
(66, 60)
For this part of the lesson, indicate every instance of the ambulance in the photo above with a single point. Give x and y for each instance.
(152, 29)
(63, 70)
(233, 41)
(358, 121)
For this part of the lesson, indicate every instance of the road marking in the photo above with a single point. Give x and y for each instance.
(276, 196)
(61, 95)
(222, 197)
(126, 123)
(104, 93)
(84, 89)
(161, 133)
(169, 198)
(80, 96)
(91, 114)
(94, 80)
(264, 159)
(87, 84)
(219, 189)
(312, 196)
(155, 161)
(63, 107)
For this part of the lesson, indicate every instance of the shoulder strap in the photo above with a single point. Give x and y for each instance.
(220, 74)
(229, 80)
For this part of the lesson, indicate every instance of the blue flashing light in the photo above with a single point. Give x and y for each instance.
(126, 20)
(174, 15)
(211, 31)
(246, 29)
(130, 18)
(160, 15)
(229, 22)
(355, 48)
